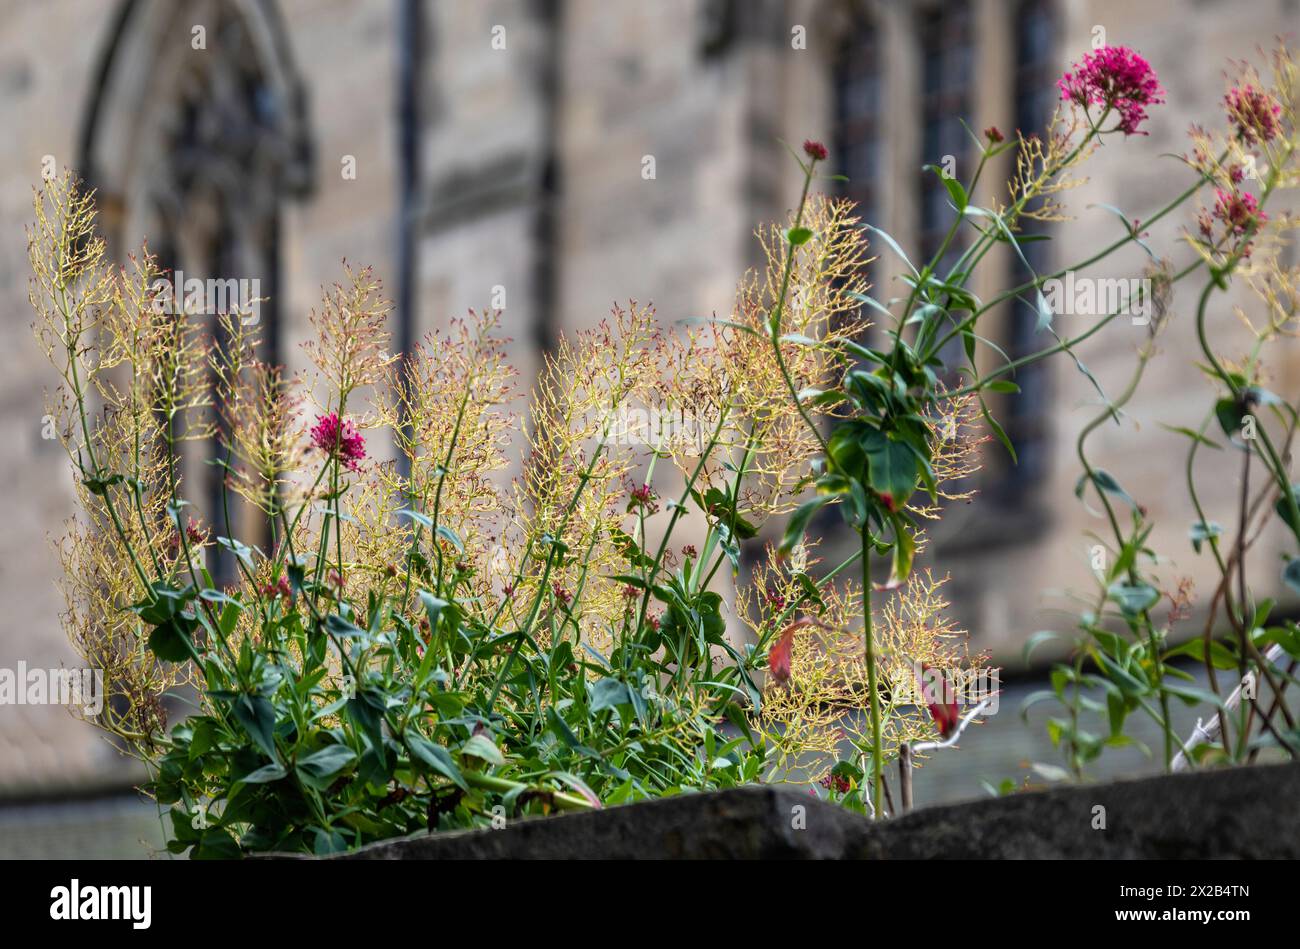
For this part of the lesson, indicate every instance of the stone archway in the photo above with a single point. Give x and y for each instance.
(195, 136)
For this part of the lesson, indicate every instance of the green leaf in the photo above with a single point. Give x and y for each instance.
(297, 573)
(562, 731)
(609, 693)
(1221, 657)
(1283, 510)
(1193, 435)
(449, 535)
(1104, 482)
(873, 303)
(892, 467)
(904, 551)
(955, 189)
(1230, 414)
(433, 607)
(422, 519)
(798, 235)
(1192, 695)
(1202, 531)
(893, 245)
(257, 715)
(319, 767)
(240, 550)
(270, 772)
(798, 523)
(437, 757)
(1288, 637)
(481, 746)
(172, 641)
(998, 432)
(1033, 698)
(809, 590)
(1036, 640)
(1134, 598)
(100, 486)
(343, 628)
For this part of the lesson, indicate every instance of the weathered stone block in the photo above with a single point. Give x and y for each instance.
(1242, 813)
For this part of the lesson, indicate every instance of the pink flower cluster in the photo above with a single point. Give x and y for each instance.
(1238, 210)
(815, 150)
(340, 440)
(643, 497)
(1254, 112)
(1114, 77)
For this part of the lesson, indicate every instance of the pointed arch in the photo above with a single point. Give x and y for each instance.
(194, 136)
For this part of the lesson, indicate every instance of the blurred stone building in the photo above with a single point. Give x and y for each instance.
(482, 153)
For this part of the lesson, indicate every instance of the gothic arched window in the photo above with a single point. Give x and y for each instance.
(1026, 418)
(194, 138)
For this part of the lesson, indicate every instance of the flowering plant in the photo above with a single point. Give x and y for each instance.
(502, 619)
(1126, 660)
(462, 634)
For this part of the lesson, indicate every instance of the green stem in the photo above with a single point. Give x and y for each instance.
(869, 647)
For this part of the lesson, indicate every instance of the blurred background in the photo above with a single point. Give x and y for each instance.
(551, 157)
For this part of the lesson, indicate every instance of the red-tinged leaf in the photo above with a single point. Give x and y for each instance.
(935, 693)
(778, 658)
(577, 784)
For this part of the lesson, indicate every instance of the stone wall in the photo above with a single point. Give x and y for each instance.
(1243, 813)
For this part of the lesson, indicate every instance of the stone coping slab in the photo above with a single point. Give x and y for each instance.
(1241, 813)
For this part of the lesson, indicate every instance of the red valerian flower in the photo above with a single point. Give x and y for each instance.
(1238, 210)
(644, 498)
(1114, 77)
(1205, 224)
(1254, 113)
(194, 535)
(815, 150)
(939, 698)
(994, 134)
(280, 588)
(835, 782)
(340, 440)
